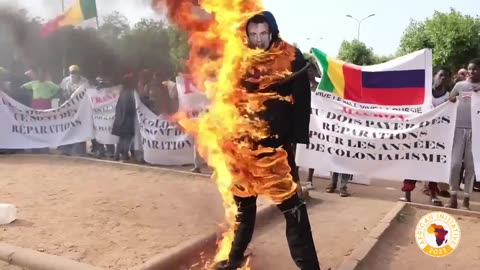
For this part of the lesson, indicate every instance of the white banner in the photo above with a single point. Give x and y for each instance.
(381, 144)
(25, 128)
(190, 99)
(476, 132)
(103, 102)
(161, 140)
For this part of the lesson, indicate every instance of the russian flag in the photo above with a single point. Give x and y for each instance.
(404, 81)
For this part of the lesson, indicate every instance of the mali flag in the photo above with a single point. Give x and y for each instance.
(81, 11)
(403, 81)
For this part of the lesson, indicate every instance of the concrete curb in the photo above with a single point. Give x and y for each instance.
(446, 210)
(175, 257)
(34, 260)
(361, 252)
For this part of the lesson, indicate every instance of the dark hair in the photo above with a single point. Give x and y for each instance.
(259, 18)
(475, 61)
(447, 70)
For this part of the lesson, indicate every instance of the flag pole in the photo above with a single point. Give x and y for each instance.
(96, 15)
(64, 48)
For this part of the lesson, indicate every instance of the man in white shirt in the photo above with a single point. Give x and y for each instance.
(71, 83)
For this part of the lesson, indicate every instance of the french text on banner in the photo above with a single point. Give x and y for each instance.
(379, 143)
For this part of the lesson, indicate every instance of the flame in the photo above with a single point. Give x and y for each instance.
(227, 135)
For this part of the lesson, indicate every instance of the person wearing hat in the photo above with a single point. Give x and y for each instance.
(71, 83)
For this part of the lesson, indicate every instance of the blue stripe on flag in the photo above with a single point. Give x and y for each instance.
(394, 79)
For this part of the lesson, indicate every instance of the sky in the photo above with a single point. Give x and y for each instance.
(328, 20)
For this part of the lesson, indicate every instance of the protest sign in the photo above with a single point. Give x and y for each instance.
(161, 139)
(22, 127)
(378, 143)
(103, 103)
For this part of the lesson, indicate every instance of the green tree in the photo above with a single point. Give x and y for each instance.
(356, 52)
(147, 46)
(378, 59)
(179, 48)
(114, 26)
(453, 37)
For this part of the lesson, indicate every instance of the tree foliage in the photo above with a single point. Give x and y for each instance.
(356, 52)
(112, 50)
(453, 37)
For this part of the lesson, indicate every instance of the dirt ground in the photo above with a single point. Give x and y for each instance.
(103, 214)
(5, 266)
(398, 250)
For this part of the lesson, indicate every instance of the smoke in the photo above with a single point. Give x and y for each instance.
(23, 33)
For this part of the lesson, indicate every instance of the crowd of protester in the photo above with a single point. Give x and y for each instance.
(35, 89)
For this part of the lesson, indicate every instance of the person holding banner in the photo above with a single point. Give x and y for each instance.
(124, 123)
(43, 91)
(462, 142)
(69, 85)
(440, 93)
(344, 178)
(313, 74)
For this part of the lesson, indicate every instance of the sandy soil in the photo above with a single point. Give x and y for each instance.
(398, 250)
(106, 215)
(5, 266)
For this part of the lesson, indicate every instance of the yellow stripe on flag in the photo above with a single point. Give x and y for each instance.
(73, 16)
(335, 73)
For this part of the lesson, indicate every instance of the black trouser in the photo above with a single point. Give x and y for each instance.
(298, 231)
(123, 148)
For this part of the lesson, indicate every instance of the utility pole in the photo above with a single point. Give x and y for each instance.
(64, 47)
(359, 22)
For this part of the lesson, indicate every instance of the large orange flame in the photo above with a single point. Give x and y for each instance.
(227, 135)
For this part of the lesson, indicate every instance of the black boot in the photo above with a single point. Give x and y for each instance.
(247, 212)
(299, 234)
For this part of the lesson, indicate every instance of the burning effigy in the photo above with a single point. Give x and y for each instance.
(259, 108)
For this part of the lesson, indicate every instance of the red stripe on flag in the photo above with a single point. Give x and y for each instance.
(353, 82)
(51, 26)
(393, 96)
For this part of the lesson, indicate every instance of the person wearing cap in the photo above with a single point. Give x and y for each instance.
(71, 83)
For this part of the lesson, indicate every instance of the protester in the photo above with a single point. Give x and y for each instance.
(263, 33)
(462, 143)
(313, 77)
(73, 82)
(461, 75)
(16, 78)
(344, 178)
(69, 85)
(171, 94)
(124, 123)
(43, 91)
(100, 150)
(144, 78)
(440, 93)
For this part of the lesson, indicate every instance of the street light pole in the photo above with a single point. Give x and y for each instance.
(359, 22)
(313, 40)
